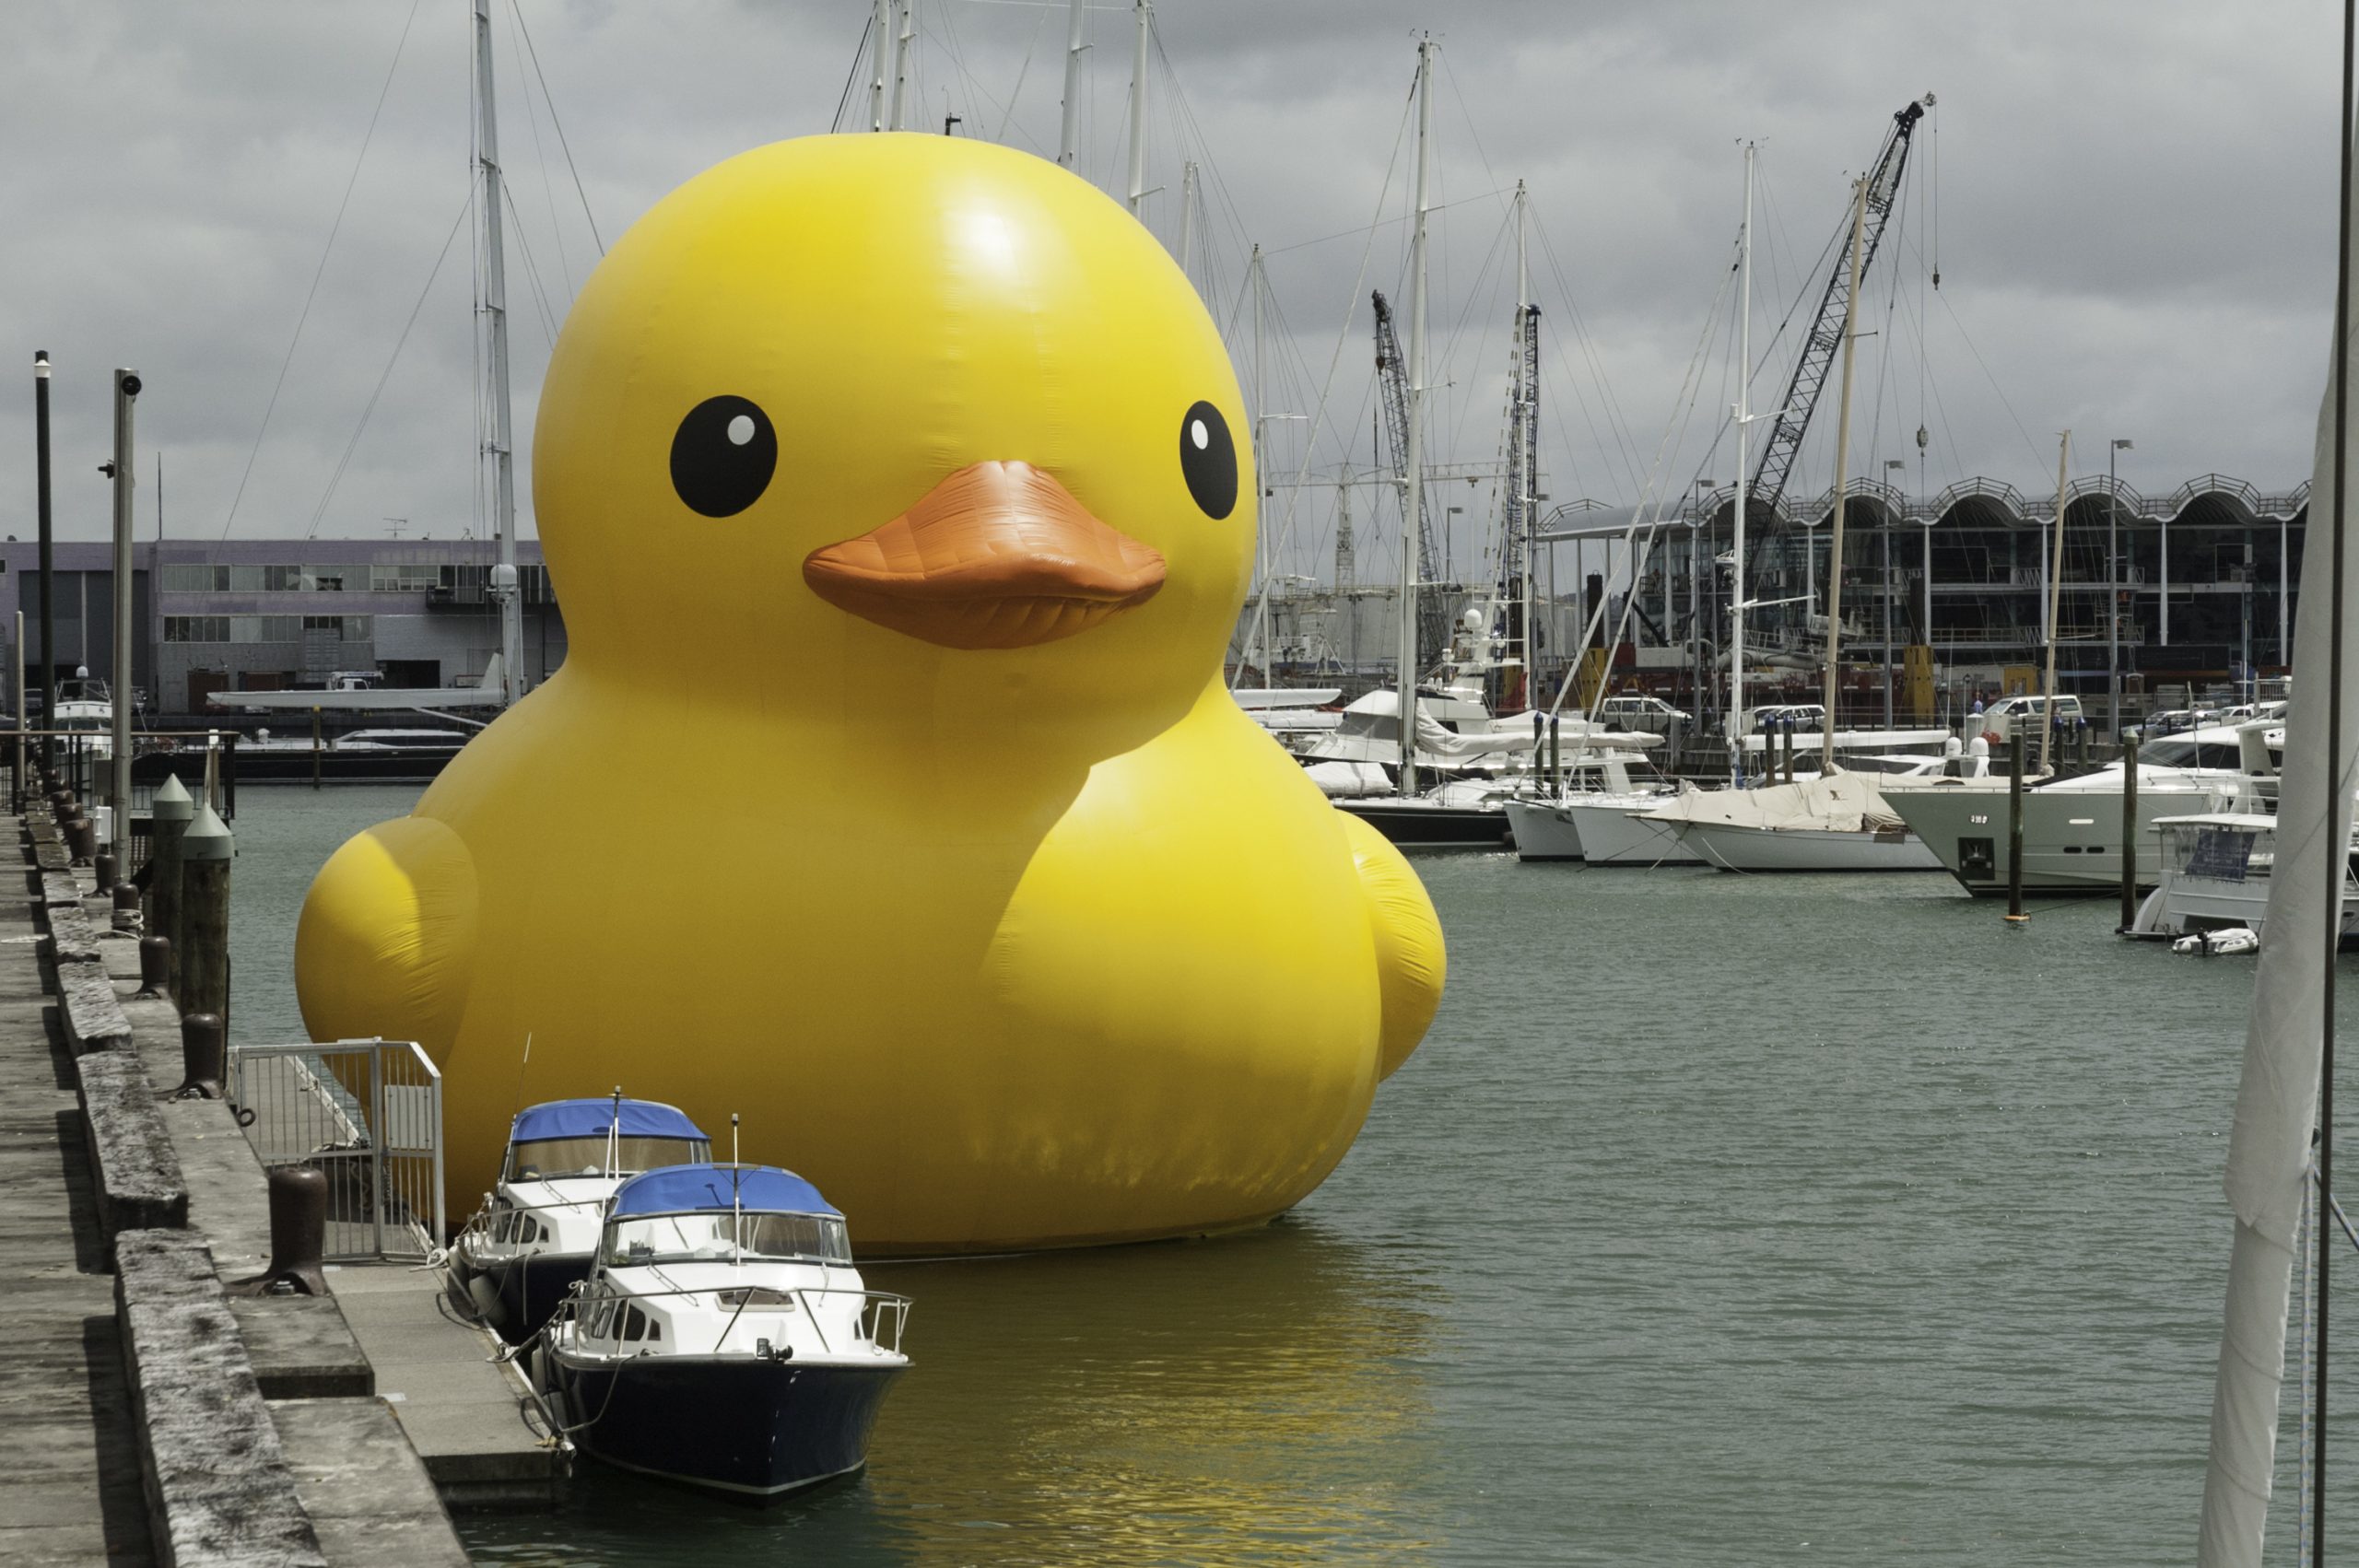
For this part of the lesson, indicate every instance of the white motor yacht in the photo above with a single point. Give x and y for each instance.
(724, 1336)
(2073, 827)
(530, 1242)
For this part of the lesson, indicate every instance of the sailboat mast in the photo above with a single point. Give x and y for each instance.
(1138, 109)
(1187, 225)
(1743, 416)
(1842, 457)
(495, 308)
(1527, 442)
(1261, 457)
(1412, 509)
(2055, 580)
(903, 39)
(1069, 138)
(881, 33)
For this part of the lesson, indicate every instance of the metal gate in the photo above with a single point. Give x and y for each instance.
(367, 1113)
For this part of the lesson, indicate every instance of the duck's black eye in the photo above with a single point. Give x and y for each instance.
(723, 456)
(1208, 459)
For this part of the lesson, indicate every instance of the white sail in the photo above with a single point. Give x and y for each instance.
(2269, 1151)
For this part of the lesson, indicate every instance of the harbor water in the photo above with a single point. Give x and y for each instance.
(1719, 1219)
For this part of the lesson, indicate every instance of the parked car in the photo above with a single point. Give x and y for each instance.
(2000, 720)
(1644, 714)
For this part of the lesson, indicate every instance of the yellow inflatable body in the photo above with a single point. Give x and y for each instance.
(889, 795)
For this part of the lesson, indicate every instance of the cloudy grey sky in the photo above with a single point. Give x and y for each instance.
(2130, 205)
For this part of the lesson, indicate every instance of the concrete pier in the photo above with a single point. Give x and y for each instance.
(151, 1411)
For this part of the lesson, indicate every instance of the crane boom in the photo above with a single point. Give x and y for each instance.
(1392, 393)
(1826, 334)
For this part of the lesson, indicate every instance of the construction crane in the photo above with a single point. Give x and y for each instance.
(1392, 396)
(1826, 334)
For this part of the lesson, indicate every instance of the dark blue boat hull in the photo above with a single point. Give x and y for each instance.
(531, 1289)
(754, 1427)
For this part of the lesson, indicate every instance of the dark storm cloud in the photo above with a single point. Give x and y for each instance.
(2134, 216)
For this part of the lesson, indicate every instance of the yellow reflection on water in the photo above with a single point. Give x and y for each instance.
(1255, 1398)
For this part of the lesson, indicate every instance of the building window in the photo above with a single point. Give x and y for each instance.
(206, 578)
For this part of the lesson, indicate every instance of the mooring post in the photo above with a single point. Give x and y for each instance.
(205, 1058)
(315, 747)
(126, 907)
(1555, 751)
(102, 870)
(2129, 834)
(81, 838)
(169, 816)
(155, 967)
(298, 1230)
(203, 947)
(2015, 840)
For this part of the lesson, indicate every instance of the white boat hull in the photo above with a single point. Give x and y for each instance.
(2071, 838)
(1737, 849)
(1543, 831)
(1613, 835)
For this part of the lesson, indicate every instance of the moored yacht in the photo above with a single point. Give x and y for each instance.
(725, 1338)
(530, 1242)
(2073, 827)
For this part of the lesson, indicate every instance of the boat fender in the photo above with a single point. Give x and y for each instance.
(485, 1297)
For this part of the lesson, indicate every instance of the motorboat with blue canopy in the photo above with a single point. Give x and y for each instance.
(531, 1242)
(724, 1336)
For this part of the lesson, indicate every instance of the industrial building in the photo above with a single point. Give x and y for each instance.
(256, 615)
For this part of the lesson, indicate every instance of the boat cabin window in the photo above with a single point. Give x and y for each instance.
(678, 1238)
(557, 1159)
(2182, 753)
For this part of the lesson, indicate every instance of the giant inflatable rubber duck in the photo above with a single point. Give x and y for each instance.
(889, 795)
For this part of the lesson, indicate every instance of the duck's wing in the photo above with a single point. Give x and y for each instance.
(1410, 960)
(386, 940)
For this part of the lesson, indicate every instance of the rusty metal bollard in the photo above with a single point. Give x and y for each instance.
(81, 838)
(155, 967)
(299, 1229)
(126, 907)
(205, 1058)
(103, 869)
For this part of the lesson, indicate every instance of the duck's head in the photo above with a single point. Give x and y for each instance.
(900, 418)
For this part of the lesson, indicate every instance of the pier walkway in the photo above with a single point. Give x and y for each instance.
(69, 1458)
(154, 1407)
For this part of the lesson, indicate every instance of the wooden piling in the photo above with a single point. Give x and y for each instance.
(2015, 915)
(204, 916)
(169, 817)
(2129, 835)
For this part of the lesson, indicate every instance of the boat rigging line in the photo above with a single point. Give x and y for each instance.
(1318, 414)
(320, 271)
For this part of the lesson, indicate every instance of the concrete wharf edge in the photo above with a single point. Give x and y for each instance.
(280, 1457)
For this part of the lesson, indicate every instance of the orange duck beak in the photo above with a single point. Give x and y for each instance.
(999, 554)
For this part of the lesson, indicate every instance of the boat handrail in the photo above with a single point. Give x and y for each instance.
(876, 1307)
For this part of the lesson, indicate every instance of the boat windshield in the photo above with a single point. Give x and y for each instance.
(676, 1238)
(562, 1159)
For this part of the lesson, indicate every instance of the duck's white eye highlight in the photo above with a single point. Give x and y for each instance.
(1198, 433)
(741, 430)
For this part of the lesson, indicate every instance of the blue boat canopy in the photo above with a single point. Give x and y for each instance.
(591, 1118)
(680, 1189)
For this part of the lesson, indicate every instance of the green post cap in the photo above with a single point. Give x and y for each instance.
(207, 837)
(172, 802)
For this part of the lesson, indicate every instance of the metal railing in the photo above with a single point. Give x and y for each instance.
(367, 1114)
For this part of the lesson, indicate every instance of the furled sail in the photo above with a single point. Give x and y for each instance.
(2269, 1150)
